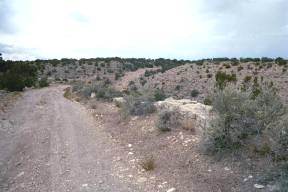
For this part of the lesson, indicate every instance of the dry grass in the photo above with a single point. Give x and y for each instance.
(93, 106)
(148, 164)
(67, 93)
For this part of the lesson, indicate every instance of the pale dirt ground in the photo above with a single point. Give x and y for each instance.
(49, 143)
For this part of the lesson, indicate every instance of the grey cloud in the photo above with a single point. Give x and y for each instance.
(10, 52)
(4, 48)
(252, 27)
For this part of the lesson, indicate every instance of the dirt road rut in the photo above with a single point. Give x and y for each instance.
(49, 143)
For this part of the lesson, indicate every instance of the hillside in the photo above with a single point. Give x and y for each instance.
(180, 81)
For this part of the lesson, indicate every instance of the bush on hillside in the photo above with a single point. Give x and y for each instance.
(222, 79)
(159, 95)
(276, 176)
(137, 106)
(240, 117)
(43, 82)
(194, 93)
(280, 61)
(101, 90)
(166, 120)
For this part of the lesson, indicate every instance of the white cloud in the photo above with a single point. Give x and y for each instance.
(148, 28)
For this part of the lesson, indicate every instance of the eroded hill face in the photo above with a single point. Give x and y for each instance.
(196, 82)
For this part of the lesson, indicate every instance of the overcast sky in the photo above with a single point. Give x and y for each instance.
(183, 29)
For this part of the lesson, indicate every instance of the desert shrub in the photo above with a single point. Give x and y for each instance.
(227, 65)
(166, 120)
(137, 106)
(269, 65)
(17, 75)
(107, 93)
(199, 62)
(234, 62)
(266, 59)
(150, 72)
(159, 95)
(110, 71)
(43, 82)
(148, 164)
(280, 61)
(178, 87)
(222, 79)
(276, 176)
(194, 93)
(77, 86)
(101, 90)
(207, 101)
(87, 89)
(67, 93)
(142, 81)
(278, 135)
(241, 116)
(107, 82)
(117, 76)
(239, 68)
(209, 75)
(247, 79)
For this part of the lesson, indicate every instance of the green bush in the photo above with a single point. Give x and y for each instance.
(107, 93)
(166, 120)
(207, 101)
(222, 79)
(137, 106)
(240, 117)
(276, 176)
(159, 95)
(178, 87)
(280, 61)
(227, 65)
(239, 68)
(209, 75)
(18, 75)
(148, 164)
(43, 82)
(194, 93)
(101, 90)
(247, 79)
(142, 81)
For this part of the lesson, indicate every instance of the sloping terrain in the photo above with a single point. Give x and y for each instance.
(180, 81)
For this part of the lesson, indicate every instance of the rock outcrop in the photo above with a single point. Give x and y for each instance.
(190, 114)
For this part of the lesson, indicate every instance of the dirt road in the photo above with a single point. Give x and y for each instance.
(49, 143)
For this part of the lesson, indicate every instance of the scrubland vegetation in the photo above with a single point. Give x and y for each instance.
(16, 75)
(249, 114)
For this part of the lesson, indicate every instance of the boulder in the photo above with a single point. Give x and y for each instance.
(190, 114)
